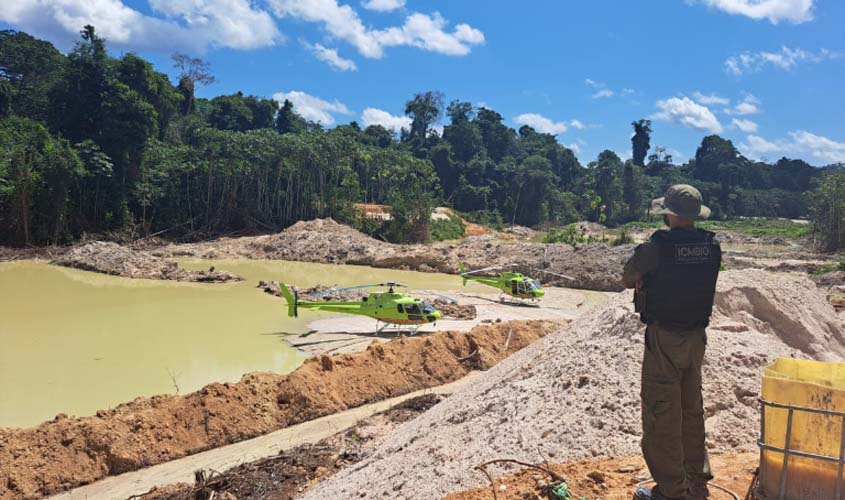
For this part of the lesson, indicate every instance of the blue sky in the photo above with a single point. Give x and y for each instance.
(768, 74)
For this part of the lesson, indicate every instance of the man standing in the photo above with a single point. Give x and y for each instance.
(674, 275)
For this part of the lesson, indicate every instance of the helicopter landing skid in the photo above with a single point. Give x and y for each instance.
(518, 301)
(411, 330)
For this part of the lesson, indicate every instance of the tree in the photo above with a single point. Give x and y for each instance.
(287, 120)
(31, 68)
(827, 211)
(631, 190)
(713, 152)
(498, 138)
(193, 68)
(459, 111)
(640, 141)
(153, 87)
(424, 109)
(607, 185)
(379, 136)
(193, 71)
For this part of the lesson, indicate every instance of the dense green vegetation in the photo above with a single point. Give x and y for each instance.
(90, 143)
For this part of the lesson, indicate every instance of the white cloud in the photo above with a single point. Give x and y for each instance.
(747, 126)
(749, 105)
(577, 124)
(331, 57)
(383, 5)
(710, 99)
(795, 11)
(688, 113)
(786, 59)
(426, 32)
(419, 30)
(602, 90)
(541, 124)
(313, 108)
(374, 116)
(574, 147)
(801, 143)
(184, 25)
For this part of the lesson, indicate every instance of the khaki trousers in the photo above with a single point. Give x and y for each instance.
(673, 409)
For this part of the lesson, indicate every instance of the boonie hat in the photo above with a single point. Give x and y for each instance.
(682, 200)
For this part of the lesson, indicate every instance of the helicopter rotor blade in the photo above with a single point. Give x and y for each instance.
(344, 289)
(482, 270)
(440, 295)
(356, 287)
(570, 278)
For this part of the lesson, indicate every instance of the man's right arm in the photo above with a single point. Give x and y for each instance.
(644, 260)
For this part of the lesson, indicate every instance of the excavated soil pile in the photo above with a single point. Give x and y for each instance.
(111, 258)
(287, 475)
(593, 267)
(574, 395)
(613, 479)
(69, 452)
(451, 310)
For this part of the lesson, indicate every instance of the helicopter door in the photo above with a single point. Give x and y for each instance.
(414, 312)
(521, 288)
(513, 287)
(399, 308)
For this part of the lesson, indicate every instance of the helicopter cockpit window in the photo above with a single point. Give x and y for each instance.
(521, 286)
(399, 308)
(533, 285)
(412, 309)
(427, 307)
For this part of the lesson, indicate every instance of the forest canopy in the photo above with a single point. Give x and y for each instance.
(93, 144)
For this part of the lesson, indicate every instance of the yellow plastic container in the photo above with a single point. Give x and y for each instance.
(795, 386)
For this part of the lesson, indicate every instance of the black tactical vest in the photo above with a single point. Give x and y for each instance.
(679, 293)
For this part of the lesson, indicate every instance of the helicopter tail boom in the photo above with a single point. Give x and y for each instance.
(291, 299)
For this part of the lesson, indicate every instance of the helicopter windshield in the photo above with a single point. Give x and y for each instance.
(533, 285)
(427, 307)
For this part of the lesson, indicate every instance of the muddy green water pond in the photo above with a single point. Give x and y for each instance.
(75, 341)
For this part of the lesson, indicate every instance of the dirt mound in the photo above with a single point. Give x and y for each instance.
(594, 266)
(69, 452)
(111, 258)
(287, 475)
(572, 396)
(455, 311)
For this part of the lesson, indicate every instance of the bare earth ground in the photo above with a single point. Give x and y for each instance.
(574, 395)
(570, 397)
(69, 451)
(288, 474)
(611, 479)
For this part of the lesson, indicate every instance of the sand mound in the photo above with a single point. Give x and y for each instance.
(69, 452)
(111, 258)
(574, 394)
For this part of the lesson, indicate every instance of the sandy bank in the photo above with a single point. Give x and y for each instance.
(574, 395)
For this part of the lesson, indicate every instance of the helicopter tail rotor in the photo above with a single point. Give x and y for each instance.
(291, 299)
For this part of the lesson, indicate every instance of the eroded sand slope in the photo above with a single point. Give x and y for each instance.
(575, 394)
